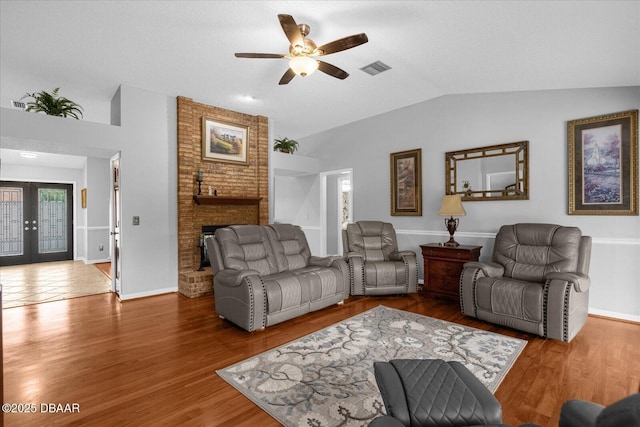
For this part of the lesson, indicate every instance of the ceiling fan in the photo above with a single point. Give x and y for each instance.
(303, 51)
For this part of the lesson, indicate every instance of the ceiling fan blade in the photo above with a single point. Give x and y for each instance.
(343, 44)
(291, 30)
(287, 77)
(332, 70)
(259, 55)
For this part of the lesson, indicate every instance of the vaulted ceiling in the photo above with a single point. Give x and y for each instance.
(434, 48)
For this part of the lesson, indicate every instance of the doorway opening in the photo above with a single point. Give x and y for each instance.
(115, 219)
(336, 208)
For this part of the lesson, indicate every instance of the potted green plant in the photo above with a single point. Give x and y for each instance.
(285, 145)
(53, 104)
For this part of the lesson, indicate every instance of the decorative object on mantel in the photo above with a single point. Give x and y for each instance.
(285, 145)
(199, 178)
(52, 104)
(224, 142)
(406, 183)
(452, 206)
(603, 164)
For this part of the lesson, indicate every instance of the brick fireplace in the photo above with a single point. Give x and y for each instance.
(242, 189)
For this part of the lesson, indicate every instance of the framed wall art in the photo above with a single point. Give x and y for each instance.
(603, 164)
(224, 142)
(406, 183)
(83, 198)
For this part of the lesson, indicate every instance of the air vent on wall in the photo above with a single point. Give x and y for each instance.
(19, 105)
(375, 68)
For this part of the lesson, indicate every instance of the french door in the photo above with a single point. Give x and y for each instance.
(36, 222)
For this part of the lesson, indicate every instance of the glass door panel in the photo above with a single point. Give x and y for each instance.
(52, 214)
(11, 220)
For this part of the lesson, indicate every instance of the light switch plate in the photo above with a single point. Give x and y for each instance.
(136, 220)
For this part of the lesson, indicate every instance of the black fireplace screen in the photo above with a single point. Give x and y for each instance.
(207, 230)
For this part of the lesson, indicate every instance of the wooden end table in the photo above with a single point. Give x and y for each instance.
(442, 268)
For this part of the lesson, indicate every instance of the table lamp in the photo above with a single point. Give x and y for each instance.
(451, 206)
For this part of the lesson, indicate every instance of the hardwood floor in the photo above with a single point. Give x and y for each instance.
(152, 361)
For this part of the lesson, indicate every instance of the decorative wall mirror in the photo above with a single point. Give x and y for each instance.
(496, 172)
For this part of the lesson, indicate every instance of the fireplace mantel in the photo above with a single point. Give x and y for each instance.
(217, 200)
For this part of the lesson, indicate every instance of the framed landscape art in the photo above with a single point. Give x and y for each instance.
(224, 142)
(406, 183)
(603, 164)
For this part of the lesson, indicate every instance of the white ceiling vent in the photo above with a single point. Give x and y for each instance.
(375, 68)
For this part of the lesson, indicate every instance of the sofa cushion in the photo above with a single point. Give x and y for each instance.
(374, 240)
(530, 251)
(387, 273)
(290, 246)
(286, 291)
(510, 297)
(324, 282)
(246, 247)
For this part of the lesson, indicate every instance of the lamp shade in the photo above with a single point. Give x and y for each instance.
(303, 65)
(452, 206)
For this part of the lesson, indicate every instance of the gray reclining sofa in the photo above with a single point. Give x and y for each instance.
(265, 275)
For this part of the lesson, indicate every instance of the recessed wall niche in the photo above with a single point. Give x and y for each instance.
(249, 180)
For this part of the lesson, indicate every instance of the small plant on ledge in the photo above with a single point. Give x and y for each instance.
(285, 145)
(52, 104)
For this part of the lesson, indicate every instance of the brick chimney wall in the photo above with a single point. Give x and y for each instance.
(228, 179)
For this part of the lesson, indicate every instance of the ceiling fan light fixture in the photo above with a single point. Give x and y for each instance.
(303, 65)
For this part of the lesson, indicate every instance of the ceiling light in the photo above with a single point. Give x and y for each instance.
(303, 65)
(247, 98)
(28, 154)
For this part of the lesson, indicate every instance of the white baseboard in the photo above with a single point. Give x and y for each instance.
(614, 315)
(125, 297)
(96, 261)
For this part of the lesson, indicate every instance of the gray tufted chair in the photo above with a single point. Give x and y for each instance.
(375, 264)
(538, 281)
(434, 393)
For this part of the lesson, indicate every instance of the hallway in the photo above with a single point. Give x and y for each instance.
(50, 281)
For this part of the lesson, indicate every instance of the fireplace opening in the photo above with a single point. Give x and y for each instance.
(207, 231)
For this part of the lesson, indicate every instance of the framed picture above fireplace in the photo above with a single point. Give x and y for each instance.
(224, 142)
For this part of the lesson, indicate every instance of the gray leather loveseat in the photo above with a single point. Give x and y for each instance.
(263, 275)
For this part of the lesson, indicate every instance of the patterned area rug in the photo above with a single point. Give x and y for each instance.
(326, 378)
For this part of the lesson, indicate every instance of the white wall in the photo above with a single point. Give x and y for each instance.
(459, 122)
(146, 140)
(149, 188)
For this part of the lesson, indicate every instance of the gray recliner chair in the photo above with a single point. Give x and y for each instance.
(375, 264)
(581, 413)
(538, 281)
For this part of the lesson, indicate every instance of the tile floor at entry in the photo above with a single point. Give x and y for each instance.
(50, 281)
